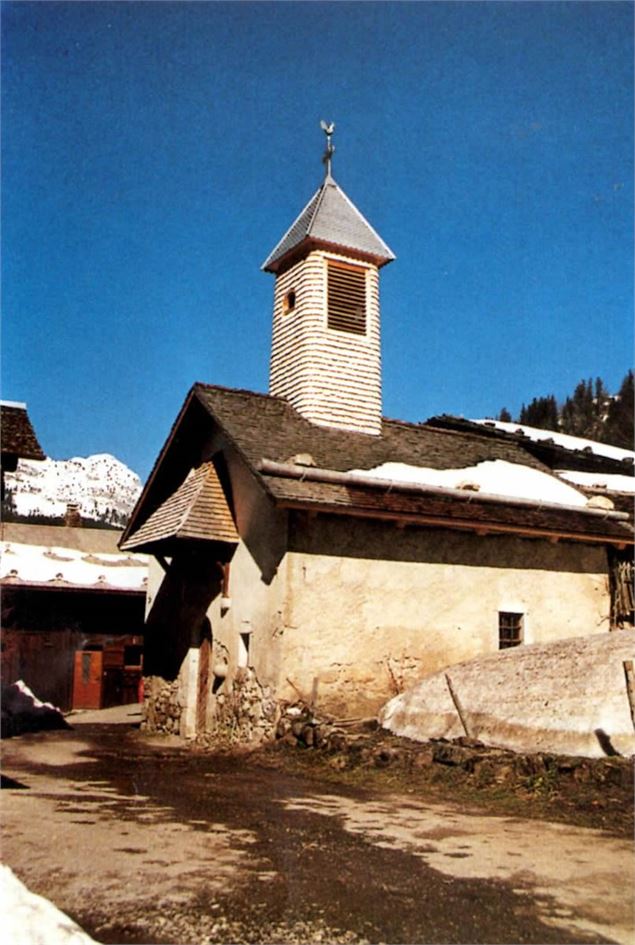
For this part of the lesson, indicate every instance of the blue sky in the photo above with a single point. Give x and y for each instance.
(154, 153)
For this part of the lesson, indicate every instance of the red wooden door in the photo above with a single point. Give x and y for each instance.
(87, 679)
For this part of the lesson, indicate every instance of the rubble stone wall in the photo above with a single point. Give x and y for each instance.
(162, 707)
(246, 712)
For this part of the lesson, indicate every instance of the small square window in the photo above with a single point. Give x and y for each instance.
(510, 629)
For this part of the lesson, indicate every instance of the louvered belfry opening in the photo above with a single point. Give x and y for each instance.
(346, 298)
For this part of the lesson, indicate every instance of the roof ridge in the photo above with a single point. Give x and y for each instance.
(281, 241)
(236, 390)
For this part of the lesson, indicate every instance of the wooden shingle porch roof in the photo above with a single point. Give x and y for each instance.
(197, 510)
(261, 430)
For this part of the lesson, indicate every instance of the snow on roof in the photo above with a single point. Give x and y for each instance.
(611, 482)
(561, 439)
(493, 477)
(68, 567)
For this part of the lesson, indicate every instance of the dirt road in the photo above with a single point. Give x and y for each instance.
(141, 840)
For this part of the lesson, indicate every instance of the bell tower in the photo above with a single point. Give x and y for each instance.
(325, 355)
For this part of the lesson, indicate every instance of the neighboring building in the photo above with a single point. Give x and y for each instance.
(72, 614)
(304, 546)
(18, 437)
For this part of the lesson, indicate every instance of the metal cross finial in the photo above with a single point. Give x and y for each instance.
(328, 130)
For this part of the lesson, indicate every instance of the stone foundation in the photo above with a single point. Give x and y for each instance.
(245, 713)
(162, 709)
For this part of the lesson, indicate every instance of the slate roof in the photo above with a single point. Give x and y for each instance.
(261, 427)
(18, 435)
(552, 454)
(331, 219)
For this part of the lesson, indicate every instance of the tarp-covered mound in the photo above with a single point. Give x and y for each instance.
(568, 697)
(22, 711)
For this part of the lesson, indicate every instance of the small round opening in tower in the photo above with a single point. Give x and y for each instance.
(288, 303)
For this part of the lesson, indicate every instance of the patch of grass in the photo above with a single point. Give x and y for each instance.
(543, 795)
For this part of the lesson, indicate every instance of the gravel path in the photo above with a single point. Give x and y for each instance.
(143, 840)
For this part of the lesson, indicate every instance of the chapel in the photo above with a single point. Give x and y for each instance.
(303, 546)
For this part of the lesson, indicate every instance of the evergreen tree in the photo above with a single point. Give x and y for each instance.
(618, 428)
(542, 412)
(590, 412)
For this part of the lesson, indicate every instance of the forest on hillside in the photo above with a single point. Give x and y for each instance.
(590, 411)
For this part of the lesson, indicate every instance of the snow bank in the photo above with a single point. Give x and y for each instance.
(562, 439)
(493, 477)
(28, 919)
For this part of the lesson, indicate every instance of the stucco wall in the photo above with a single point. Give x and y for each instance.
(348, 616)
(372, 609)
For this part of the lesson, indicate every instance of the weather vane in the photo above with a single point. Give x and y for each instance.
(328, 130)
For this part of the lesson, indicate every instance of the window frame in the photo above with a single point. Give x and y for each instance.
(511, 629)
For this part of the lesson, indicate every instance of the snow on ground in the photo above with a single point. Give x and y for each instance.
(610, 483)
(36, 564)
(492, 477)
(562, 439)
(28, 919)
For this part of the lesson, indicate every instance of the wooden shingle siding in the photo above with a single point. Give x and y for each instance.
(331, 377)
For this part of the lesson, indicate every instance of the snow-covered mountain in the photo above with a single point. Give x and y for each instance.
(102, 486)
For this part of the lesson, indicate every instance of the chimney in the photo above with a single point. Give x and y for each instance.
(72, 518)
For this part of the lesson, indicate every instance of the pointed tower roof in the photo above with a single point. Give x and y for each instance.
(330, 220)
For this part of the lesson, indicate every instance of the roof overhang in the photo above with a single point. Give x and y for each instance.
(311, 244)
(336, 493)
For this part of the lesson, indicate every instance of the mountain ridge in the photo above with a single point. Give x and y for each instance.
(104, 489)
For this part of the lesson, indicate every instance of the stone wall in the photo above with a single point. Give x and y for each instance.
(162, 707)
(246, 712)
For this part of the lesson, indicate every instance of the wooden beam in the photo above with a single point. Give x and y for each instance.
(457, 704)
(455, 524)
